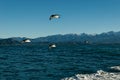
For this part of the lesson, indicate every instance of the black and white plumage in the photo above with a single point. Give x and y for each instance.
(54, 16)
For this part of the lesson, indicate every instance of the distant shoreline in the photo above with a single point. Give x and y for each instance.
(103, 38)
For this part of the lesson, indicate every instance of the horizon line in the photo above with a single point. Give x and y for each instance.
(62, 34)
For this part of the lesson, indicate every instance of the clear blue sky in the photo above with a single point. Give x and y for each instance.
(30, 18)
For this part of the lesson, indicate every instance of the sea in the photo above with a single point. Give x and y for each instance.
(39, 62)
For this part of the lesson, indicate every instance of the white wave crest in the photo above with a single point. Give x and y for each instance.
(100, 75)
(116, 68)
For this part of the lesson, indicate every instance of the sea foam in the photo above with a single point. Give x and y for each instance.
(116, 68)
(99, 75)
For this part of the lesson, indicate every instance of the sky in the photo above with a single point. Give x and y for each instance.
(30, 18)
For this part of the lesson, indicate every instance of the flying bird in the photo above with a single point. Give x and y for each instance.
(54, 16)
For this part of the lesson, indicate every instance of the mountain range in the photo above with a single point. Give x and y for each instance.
(103, 38)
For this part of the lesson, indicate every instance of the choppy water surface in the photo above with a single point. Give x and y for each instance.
(38, 62)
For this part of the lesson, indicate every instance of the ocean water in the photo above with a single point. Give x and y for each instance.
(38, 62)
